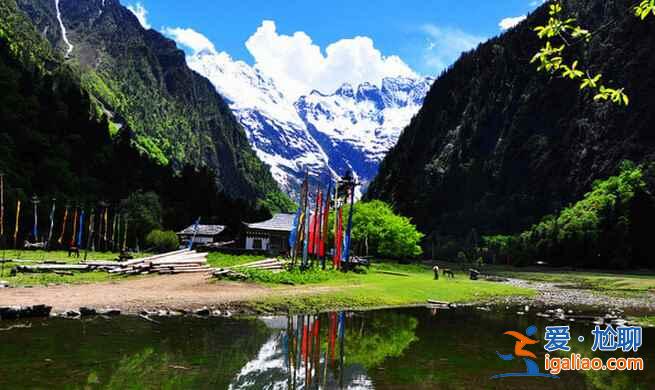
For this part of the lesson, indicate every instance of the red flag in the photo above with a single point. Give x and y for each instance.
(303, 343)
(337, 239)
(312, 234)
(317, 224)
(332, 335)
(326, 217)
(312, 227)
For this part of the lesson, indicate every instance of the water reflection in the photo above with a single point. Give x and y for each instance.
(332, 350)
(398, 349)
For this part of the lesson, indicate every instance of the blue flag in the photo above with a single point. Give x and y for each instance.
(79, 233)
(195, 231)
(294, 230)
(346, 240)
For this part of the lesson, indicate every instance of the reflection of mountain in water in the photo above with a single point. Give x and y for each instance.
(327, 351)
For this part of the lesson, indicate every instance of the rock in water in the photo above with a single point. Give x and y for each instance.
(87, 312)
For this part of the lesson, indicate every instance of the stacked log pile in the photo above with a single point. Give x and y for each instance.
(236, 272)
(177, 262)
(182, 261)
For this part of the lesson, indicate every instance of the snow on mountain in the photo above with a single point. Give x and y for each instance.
(323, 134)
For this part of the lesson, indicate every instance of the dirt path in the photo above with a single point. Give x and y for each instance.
(184, 291)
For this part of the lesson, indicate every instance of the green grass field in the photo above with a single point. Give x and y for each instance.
(378, 289)
(38, 256)
(383, 284)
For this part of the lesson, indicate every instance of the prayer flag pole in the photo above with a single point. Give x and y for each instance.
(89, 239)
(35, 228)
(63, 226)
(52, 223)
(17, 223)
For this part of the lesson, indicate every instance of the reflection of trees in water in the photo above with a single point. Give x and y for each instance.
(330, 350)
(149, 369)
(203, 354)
(178, 353)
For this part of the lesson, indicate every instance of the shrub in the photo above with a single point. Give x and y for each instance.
(162, 241)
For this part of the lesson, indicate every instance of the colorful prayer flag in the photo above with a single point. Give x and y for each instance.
(326, 219)
(17, 222)
(346, 252)
(79, 233)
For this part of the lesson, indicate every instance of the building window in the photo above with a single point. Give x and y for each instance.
(257, 243)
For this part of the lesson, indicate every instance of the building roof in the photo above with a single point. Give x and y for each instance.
(203, 230)
(279, 222)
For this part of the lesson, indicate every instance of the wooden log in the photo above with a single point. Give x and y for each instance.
(179, 266)
(269, 267)
(101, 263)
(391, 273)
(196, 259)
(51, 267)
(155, 257)
(188, 271)
(254, 263)
(435, 302)
(194, 256)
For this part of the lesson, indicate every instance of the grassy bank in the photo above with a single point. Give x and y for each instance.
(38, 256)
(385, 284)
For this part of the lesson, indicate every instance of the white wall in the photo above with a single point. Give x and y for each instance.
(251, 240)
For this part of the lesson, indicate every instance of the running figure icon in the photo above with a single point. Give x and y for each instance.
(531, 367)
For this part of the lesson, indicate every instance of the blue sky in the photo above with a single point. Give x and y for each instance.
(425, 35)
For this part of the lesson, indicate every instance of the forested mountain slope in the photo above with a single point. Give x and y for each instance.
(140, 79)
(54, 143)
(497, 145)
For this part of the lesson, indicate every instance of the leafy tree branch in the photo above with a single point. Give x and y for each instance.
(551, 58)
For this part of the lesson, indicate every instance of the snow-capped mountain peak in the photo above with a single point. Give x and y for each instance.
(324, 134)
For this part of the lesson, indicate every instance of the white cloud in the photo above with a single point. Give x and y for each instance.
(141, 13)
(190, 38)
(510, 22)
(445, 45)
(297, 65)
(536, 3)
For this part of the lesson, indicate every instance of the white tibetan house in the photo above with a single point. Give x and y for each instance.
(271, 235)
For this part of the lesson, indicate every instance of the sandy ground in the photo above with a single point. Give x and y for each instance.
(185, 291)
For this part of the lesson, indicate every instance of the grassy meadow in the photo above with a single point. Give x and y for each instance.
(32, 257)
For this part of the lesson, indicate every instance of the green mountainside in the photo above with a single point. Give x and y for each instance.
(55, 142)
(139, 79)
(498, 145)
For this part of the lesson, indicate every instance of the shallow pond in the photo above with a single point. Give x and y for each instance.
(400, 348)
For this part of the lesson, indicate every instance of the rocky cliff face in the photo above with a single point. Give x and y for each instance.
(498, 145)
(140, 78)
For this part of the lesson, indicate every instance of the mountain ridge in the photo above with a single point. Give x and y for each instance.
(324, 134)
(497, 145)
(140, 78)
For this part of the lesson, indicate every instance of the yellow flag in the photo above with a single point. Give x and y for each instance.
(63, 227)
(17, 219)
